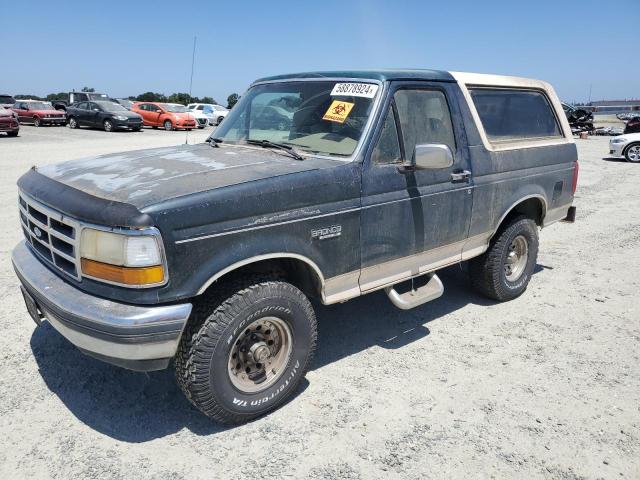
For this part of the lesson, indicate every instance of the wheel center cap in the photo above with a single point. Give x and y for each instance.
(512, 257)
(260, 352)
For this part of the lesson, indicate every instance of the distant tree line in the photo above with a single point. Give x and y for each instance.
(180, 97)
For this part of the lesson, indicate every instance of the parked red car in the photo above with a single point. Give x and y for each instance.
(9, 122)
(38, 113)
(170, 116)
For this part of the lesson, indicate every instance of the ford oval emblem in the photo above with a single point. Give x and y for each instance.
(38, 232)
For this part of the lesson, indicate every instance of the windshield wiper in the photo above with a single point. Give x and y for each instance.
(214, 141)
(278, 146)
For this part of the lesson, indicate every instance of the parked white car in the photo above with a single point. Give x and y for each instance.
(215, 113)
(202, 120)
(627, 146)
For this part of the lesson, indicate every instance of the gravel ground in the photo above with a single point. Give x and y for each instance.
(545, 386)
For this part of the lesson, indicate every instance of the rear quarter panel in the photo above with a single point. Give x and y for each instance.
(505, 175)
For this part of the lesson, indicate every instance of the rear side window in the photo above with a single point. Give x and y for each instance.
(511, 115)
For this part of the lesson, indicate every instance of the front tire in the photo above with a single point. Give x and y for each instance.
(220, 120)
(12, 134)
(168, 126)
(244, 354)
(36, 121)
(73, 123)
(632, 153)
(504, 270)
(108, 125)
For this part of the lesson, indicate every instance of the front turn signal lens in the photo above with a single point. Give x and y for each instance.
(123, 275)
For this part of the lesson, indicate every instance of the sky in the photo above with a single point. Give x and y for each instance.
(126, 48)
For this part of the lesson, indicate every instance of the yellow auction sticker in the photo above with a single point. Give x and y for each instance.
(338, 111)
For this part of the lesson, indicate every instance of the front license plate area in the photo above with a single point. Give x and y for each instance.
(32, 307)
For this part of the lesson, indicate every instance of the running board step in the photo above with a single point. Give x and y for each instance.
(414, 298)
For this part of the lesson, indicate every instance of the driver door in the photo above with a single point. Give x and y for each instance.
(414, 221)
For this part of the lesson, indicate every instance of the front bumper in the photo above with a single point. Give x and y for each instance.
(54, 120)
(127, 124)
(616, 149)
(130, 336)
(8, 127)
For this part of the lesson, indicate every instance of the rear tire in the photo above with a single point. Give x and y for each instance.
(632, 152)
(504, 270)
(245, 351)
(168, 126)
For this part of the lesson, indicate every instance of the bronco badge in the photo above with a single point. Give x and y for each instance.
(326, 232)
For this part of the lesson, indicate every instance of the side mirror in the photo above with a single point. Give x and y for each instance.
(431, 156)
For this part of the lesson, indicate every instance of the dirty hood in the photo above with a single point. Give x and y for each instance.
(146, 177)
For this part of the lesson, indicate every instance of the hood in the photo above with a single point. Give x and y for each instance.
(146, 177)
(127, 114)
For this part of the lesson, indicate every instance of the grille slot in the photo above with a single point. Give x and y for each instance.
(53, 236)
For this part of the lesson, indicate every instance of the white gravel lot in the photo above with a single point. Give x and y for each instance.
(545, 386)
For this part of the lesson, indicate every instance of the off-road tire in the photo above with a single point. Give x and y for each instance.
(201, 362)
(487, 272)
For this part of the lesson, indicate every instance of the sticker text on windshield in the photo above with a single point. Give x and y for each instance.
(366, 90)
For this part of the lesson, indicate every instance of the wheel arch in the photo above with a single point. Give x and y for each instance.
(301, 271)
(533, 206)
(629, 145)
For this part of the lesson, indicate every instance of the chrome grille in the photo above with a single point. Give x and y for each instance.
(54, 237)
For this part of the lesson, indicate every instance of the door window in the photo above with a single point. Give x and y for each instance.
(387, 149)
(424, 118)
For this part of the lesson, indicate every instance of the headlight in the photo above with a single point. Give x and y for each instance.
(120, 117)
(134, 260)
(618, 140)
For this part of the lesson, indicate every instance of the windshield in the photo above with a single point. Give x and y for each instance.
(97, 96)
(323, 117)
(174, 108)
(40, 106)
(111, 107)
(125, 103)
(7, 99)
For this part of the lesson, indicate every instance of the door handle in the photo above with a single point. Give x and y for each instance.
(461, 176)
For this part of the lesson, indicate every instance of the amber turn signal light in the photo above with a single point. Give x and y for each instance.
(123, 275)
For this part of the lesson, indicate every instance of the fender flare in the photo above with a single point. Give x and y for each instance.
(258, 258)
(538, 196)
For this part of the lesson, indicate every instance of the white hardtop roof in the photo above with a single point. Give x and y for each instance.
(469, 78)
